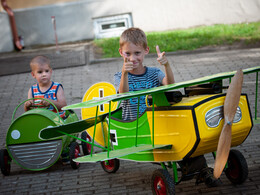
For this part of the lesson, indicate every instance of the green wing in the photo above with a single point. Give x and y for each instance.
(70, 128)
(118, 97)
(118, 153)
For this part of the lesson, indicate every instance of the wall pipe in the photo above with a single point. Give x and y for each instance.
(16, 39)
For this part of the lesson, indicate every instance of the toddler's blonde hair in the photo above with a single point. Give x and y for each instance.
(38, 61)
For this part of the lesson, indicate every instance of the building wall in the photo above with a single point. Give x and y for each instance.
(74, 20)
(21, 4)
(5, 34)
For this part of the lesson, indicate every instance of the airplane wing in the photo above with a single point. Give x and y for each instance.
(70, 128)
(121, 96)
(119, 153)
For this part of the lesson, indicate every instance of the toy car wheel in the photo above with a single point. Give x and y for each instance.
(86, 147)
(110, 166)
(237, 170)
(74, 153)
(5, 162)
(162, 182)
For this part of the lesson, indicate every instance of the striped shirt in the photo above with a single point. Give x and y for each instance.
(151, 78)
(51, 94)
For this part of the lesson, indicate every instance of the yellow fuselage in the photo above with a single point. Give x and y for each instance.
(183, 125)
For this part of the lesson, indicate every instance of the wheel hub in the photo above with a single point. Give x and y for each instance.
(160, 186)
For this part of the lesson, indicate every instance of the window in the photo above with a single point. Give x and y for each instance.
(112, 26)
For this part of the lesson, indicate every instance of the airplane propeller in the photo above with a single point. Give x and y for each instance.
(230, 107)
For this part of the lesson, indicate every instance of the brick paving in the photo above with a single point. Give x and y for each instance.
(132, 177)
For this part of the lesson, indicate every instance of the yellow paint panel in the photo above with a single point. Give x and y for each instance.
(98, 90)
(190, 101)
(208, 135)
(174, 127)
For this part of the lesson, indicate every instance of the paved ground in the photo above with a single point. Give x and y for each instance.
(132, 177)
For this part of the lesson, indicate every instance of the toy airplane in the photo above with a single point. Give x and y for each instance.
(174, 129)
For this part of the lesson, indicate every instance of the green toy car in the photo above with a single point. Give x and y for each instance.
(28, 150)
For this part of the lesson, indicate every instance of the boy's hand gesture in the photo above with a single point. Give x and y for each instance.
(128, 66)
(161, 57)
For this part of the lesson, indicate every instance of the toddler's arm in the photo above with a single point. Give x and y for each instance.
(28, 104)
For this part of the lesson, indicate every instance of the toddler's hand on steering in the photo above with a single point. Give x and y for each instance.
(45, 103)
(161, 57)
(28, 104)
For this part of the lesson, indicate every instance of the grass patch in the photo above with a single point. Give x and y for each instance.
(190, 39)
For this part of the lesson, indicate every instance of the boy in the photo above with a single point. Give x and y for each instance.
(134, 75)
(45, 88)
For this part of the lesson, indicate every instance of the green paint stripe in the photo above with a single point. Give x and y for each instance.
(118, 153)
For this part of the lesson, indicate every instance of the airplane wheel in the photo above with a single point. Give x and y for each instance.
(237, 170)
(74, 153)
(86, 147)
(5, 162)
(110, 166)
(162, 182)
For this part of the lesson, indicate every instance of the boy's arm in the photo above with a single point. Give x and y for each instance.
(123, 87)
(169, 78)
(127, 66)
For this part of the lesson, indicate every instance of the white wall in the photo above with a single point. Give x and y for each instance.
(174, 14)
(5, 34)
(75, 20)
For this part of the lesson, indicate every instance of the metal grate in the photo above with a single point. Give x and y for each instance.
(36, 156)
(112, 26)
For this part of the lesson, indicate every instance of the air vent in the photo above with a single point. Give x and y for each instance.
(36, 156)
(111, 26)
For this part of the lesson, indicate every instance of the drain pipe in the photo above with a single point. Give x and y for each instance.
(16, 38)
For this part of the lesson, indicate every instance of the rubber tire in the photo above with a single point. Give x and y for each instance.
(86, 148)
(237, 171)
(74, 153)
(161, 178)
(5, 162)
(112, 166)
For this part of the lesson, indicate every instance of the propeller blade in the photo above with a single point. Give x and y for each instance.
(230, 107)
(233, 96)
(222, 150)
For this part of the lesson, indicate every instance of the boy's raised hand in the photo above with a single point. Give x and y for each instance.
(161, 57)
(128, 66)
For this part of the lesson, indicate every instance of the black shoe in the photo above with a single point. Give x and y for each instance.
(206, 176)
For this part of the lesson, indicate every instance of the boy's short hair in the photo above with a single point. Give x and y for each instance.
(40, 60)
(133, 35)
